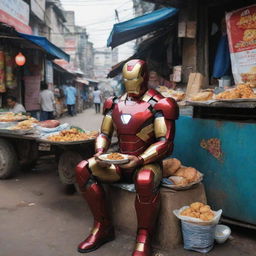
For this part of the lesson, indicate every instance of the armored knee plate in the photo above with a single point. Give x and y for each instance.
(83, 174)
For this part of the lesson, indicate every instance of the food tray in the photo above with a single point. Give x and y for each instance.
(65, 142)
(45, 140)
(236, 103)
(4, 125)
(208, 102)
(186, 187)
(20, 132)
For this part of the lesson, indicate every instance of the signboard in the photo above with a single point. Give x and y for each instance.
(38, 8)
(32, 91)
(69, 66)
(241, 28)
(16, 14)
(48, 72)
(70, 46)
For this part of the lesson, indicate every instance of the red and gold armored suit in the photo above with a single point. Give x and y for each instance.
(145, 124)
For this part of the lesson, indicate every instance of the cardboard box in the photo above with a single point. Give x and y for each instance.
(195, 83)
(191, 29)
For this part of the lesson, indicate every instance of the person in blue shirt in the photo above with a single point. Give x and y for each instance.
(71, 94)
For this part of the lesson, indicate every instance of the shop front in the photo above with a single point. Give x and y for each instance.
(22, 80)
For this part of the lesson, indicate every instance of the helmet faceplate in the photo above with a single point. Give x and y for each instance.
(135, 77)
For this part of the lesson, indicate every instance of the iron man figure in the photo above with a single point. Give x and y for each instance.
(145, 125)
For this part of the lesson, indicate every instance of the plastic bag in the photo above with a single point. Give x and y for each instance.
(125, 186)
(215, 220)
(44, 130)
(197, 237)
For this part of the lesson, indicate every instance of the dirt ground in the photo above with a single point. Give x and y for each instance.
(38, 218)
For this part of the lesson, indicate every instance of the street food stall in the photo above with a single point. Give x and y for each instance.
(224, 151)
(24, 139)
(219, 138)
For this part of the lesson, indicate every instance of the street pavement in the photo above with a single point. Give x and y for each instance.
(87, 120)
(38, 218)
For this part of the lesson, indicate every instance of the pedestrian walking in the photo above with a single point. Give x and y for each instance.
(47, 102)
(71, 94)
(97, 98)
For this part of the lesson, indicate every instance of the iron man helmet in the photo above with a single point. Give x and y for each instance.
(135, 77)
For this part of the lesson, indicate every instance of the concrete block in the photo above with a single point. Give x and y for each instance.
(168, 233)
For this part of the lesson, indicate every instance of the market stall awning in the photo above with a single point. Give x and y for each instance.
(139, 26)
(82, 81)
(156, 43)
(65, 66)
(49, 47)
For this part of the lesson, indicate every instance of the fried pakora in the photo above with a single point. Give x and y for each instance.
(72, 135)
(199, 210)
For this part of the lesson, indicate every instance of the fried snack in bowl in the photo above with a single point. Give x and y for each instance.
(205, 208)
(24, 125)
(196, 206)
(227, 95)
(186, 212)
(245, 91)
(72, 134)
(242, 91)
(189, 173)
(12, 117)
(115, 156)
(180, 181)
(207, 216)
(202, 96)
(170, 166)
(198, 210)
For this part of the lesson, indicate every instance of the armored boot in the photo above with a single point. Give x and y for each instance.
(103, 230)
(147, 205)
(94, 194)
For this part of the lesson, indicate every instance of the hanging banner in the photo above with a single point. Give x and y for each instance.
(241, 28)
(48, 72)
(16, 14)
(32, 91)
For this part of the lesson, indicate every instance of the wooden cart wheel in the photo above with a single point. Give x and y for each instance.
(27, 152)
(8, 160)
(66, 167)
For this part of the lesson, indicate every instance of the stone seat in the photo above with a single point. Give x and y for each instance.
(168, 232)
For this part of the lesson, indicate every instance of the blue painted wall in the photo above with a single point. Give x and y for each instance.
(231, 183)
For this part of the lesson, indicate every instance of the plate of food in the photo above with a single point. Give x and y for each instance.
(114, 158)
(70, 136)
(12, 117)
(183, 178)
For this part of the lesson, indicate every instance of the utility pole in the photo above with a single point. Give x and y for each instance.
(117, 15)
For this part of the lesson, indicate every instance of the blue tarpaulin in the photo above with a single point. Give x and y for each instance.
(222, 60)
(139, 26)
(49, 47)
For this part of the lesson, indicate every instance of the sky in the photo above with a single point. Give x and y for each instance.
(98, 16)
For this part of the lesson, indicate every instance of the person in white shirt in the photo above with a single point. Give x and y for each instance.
(14, 106)
(97, 98)
(47, 102)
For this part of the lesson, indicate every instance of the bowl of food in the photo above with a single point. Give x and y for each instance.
(222, 233)
(114, 158)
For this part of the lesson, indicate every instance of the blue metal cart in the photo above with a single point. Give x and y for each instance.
(230, 173)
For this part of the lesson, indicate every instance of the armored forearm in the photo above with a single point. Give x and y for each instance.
(104, 139)
(164, 132)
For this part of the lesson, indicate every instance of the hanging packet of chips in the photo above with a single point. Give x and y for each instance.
(2, 72)
(10, 81)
